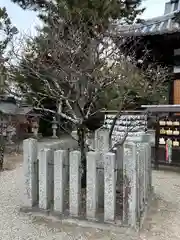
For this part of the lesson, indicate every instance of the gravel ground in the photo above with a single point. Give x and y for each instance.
(162, 222)
(17, 226)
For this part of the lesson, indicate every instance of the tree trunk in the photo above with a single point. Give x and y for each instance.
(112, 128)
(59, 125)
(2, 147)
(83, 149)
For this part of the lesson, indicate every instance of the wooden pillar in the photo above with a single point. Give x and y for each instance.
(176, 81)
(176, 90)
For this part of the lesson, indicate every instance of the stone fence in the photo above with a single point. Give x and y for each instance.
(118, 183)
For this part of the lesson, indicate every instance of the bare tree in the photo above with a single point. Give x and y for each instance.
(146, 83)
(77, 71)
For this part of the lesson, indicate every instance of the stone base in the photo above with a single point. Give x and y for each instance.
(57, 218)
(83, 222)
(146, 209)
(54, 137)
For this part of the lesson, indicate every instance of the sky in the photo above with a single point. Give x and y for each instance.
(26, 21)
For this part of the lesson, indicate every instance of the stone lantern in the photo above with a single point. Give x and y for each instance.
(35, 128)
(11, 131)
(54, 127)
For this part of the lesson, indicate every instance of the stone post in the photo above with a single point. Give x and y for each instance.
(148, 170)
(138, 185)
(10, 133)
(152, 136)
(146, 144)
(46, 188)
(141, 174)
(35, 129)
(60, 179)
(144, 149)
(91, 139)
(110, 187)
(129, 184)
(30, 197)
(102, 140)
(102, 146)
(35, 132)
(74, 183)
(92, 185)
(119, 165)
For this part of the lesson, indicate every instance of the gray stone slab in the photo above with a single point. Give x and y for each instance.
(92, 185)
(148, 171)
(46, 188)
(102, 146)
(129, 184)
(102, 140)
(119, 165)
(60, 179)
(74, 183)
(30, 193)
(138, 187)
(141, 175)
(110, 187)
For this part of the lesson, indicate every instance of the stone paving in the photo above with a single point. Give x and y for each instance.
(163, 219)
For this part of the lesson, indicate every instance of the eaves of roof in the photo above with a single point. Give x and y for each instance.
(155, 26)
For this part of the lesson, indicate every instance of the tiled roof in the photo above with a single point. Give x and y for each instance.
(162, 108)
(155, 26)
(12, 109)
(8, 108)
(24, 110)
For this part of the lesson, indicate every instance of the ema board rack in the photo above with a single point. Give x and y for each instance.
(168, 140)
(169, 130)
(134, 124)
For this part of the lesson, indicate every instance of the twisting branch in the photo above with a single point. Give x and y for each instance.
(86, 73)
